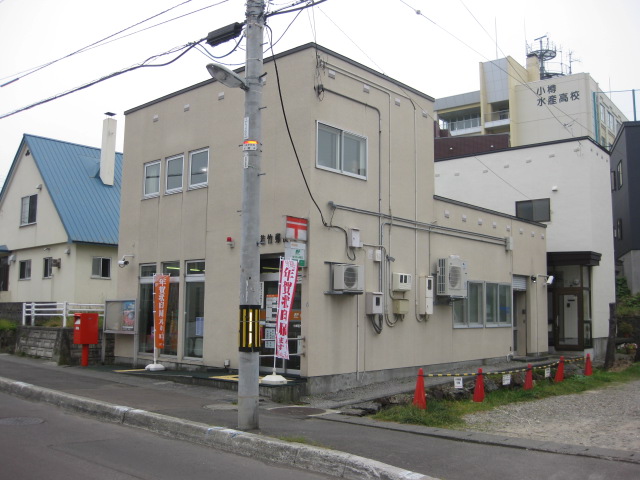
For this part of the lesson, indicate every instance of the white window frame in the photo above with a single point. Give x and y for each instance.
(27, 210)
(340, 167)
(193, 185)
(100, 274)
(170, 160)
(27, 270)
(146, 176)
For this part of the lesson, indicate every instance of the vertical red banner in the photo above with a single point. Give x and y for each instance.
(160, 303)
(286, 293)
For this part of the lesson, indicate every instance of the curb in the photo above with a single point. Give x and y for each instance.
(492, 439)
(266, 449)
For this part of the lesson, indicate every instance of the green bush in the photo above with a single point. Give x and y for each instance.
(628, 305)
(7, 325)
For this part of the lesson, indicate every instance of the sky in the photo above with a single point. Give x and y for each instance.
(434, 47)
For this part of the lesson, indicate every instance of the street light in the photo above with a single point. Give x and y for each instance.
(226, 76)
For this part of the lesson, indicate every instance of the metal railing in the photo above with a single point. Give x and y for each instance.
(495, 116)
(33, 310)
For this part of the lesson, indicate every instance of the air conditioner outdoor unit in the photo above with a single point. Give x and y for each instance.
(348, 278)
(452, 277)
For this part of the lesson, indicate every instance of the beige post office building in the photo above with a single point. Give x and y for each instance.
(357, 194)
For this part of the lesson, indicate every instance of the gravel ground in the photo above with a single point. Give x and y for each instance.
(607, 418)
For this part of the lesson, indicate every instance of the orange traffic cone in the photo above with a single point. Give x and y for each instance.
(478, 392)
(588, 369)
(528, 378)
(419, 397)
(560, 372)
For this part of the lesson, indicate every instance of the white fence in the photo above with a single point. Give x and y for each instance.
(64, 310)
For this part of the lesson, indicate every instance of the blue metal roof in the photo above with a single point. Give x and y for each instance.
(88, 209)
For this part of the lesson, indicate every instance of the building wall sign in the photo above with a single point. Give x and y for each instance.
(548, 95)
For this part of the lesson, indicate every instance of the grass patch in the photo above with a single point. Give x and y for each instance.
(7, 325)
(450, 413)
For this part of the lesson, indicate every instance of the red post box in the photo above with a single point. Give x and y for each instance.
(85, 328)
(85, 333)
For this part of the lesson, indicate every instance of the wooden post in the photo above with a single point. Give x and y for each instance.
(610, 356)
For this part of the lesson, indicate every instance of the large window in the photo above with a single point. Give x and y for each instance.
(47, 270)
(101, 267)
(25, 270)
(199, 168)
(341, 151)
(145, 319)
(468, 312)
(174, 174)
(171, 327)
(487, 304)
(194, 309)
(535, 210)
(498, 304)
(28, 210)
(151, 179)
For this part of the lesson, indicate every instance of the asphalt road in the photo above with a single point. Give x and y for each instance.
(417, 449)
(39, 441)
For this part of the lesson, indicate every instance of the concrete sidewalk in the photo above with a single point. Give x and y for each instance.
(208, 416)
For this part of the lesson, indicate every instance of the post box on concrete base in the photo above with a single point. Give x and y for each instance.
(85, 333)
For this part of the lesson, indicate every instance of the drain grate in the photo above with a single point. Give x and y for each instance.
(21, 421)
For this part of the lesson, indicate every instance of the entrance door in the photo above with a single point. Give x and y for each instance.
(520, 323)
(569, 319)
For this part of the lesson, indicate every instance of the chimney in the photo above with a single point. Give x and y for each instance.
(108, 151)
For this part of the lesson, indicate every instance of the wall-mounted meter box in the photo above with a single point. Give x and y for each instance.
(425, 295)
(400, 306)
(354, 238)
(401, 282)
(373, 303)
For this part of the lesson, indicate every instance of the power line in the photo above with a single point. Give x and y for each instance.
(103, 41)
(143, 64)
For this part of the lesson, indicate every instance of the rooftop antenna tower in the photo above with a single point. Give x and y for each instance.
(545, 53)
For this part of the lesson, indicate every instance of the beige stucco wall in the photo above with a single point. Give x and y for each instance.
(392, 208)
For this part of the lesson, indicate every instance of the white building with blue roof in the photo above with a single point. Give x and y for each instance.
(59, 217)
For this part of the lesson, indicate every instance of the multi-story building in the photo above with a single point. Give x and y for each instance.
(625, 178)
(525, 106)
(353, 202)
(59, 215)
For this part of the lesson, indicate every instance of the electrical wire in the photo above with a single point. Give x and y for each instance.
(519, 80)
(103, 41)
(288, 9)
(286, 123)
(186, 48)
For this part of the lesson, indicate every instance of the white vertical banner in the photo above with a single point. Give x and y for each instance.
(286, 293)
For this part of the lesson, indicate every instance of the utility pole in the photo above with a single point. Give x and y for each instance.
(250, 302)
